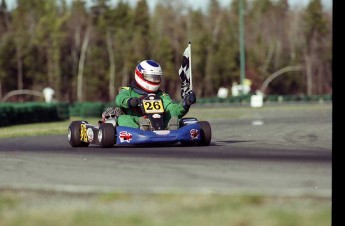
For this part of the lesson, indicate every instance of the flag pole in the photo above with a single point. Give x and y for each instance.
(190, 65)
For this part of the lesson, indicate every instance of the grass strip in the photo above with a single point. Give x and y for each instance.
(31, 208)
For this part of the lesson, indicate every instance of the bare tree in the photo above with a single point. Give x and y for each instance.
(81, 64)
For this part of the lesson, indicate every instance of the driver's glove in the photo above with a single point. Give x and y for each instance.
(189, 99)
(133, 102)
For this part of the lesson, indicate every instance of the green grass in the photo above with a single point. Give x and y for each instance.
(201, 113)
(31, 208)
(54, 128)
(34, 129)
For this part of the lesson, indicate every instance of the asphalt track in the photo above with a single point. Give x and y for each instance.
(272, 150)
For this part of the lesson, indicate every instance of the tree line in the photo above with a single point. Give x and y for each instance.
(87, 53)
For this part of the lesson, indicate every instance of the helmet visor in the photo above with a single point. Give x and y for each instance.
(153, 78)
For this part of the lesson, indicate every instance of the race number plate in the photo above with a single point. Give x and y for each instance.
(153, 106)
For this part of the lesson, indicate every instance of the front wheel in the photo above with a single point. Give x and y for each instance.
(74, 131)
(106, 135)
(205, 133)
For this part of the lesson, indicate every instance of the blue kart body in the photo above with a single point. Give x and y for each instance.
(186, 134)
(190, 132)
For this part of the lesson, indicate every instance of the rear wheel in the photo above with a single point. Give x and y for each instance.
(205, 133)
(106, 135)
(74, 130)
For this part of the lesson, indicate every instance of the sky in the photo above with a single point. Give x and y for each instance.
(201, 4)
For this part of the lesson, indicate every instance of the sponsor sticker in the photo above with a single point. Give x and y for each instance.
(83, 135)
(161, 132)
(125, 136)
(156, 116)
(194, 133)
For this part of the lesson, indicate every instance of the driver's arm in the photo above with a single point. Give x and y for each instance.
(121, 100)
(175, 109)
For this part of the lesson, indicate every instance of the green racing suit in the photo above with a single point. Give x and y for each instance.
(130, 118)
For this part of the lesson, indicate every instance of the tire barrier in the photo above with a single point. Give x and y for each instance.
(32, 112)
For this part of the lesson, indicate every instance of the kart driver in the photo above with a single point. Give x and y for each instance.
(148, 76)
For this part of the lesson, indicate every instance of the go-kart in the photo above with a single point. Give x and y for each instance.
(189, 131)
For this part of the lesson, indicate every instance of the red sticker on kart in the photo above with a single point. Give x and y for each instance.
(194, 133)
(125, 136)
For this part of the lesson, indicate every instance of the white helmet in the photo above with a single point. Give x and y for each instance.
(148, 75)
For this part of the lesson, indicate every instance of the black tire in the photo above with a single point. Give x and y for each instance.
(74, 134)
(106, 135)
(205, 133)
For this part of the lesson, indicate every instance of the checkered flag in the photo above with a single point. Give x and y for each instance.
(185, 72)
